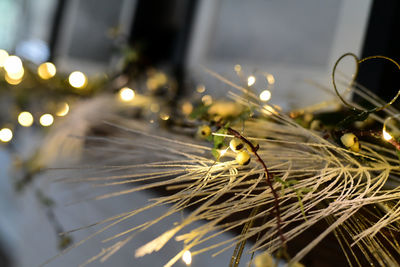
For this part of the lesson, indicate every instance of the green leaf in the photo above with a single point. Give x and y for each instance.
(199, 112)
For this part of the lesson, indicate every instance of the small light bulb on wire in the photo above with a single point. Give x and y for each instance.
(46, 70)
(25, 118)
(187, 257)
(6, 135)
(126, 94)
(77, 79)
(46, 120)
(251, 80)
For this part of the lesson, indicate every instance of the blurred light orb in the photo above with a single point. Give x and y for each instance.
(46, 70)
(25, 118)
(270, 78)
(63, 110)
(16, 75)
(251, 80)
(6, 135)
(200, 88)
(187, 257)
(187, 108)
(46, 120)
(3, 57)
(77, 79)
(13, 65)
(265, 95)
(12, 81)
(207, 100)
(126, 94)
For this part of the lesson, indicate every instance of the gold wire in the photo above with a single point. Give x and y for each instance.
(358, 62)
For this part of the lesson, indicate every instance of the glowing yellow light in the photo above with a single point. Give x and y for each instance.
(265, 95)
(6, 135)
(46, 120)
(387, 136)
(161, 78)
(238, 68)
(164, 116)
(187, 257)
(126, 94)
(155, 108)
(270, 78)
(16, 75)
(77, 79)
(187, 108)
(64, 109)
(207, 100)
(11, 80)
(25, 119)
(3, 57)
(46, 70)
(251, 80)
(13, 64)
(223, 152)
(152, 84)
(200, 88)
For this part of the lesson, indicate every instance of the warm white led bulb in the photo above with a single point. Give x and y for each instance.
(187, 257)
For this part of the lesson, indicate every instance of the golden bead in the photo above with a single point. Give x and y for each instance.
(243, 158)
(204, 131)
(236, 144)
(349, 139)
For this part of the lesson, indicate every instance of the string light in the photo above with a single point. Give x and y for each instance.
(46, 70)
(251, 80)
(12, 81)
(16, 75)
(77, 79)
(238, 68)
(164, 116)
(13, 65)
(3, 57)
(64, 109)
(207, 100)
(270, 78)
(25, 119)
(6, 135)
(126, 94)
(265, 95)
(187, 257)
(46, 120)
(200, 88)
(187, 108)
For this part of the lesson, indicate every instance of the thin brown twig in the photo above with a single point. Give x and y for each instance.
(269, 181)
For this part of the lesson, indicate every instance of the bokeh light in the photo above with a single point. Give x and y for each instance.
(46, 70)
(46, 120)
(25, 119)
(265, 95)
(187, 257)
(77, 79)
(6, 135)
(3, 57)
(13, 65)
(126, 94)
(63, 109)
(251, 80)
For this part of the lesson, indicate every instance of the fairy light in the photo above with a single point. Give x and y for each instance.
(265, 95)
(251, 80)
(64, 109)
(164, 116)
(126, 94)
(200, 88)
(25, 118)
(6, 135)
(77, 79)
(46, 120)
(16, 75)
(207, 100)
(387, 136)
(187, 257)
(270, 78)
(12, 81)
(187, 108)
(46, 70)
(13, 65)
(238, 68)
(3, 57)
